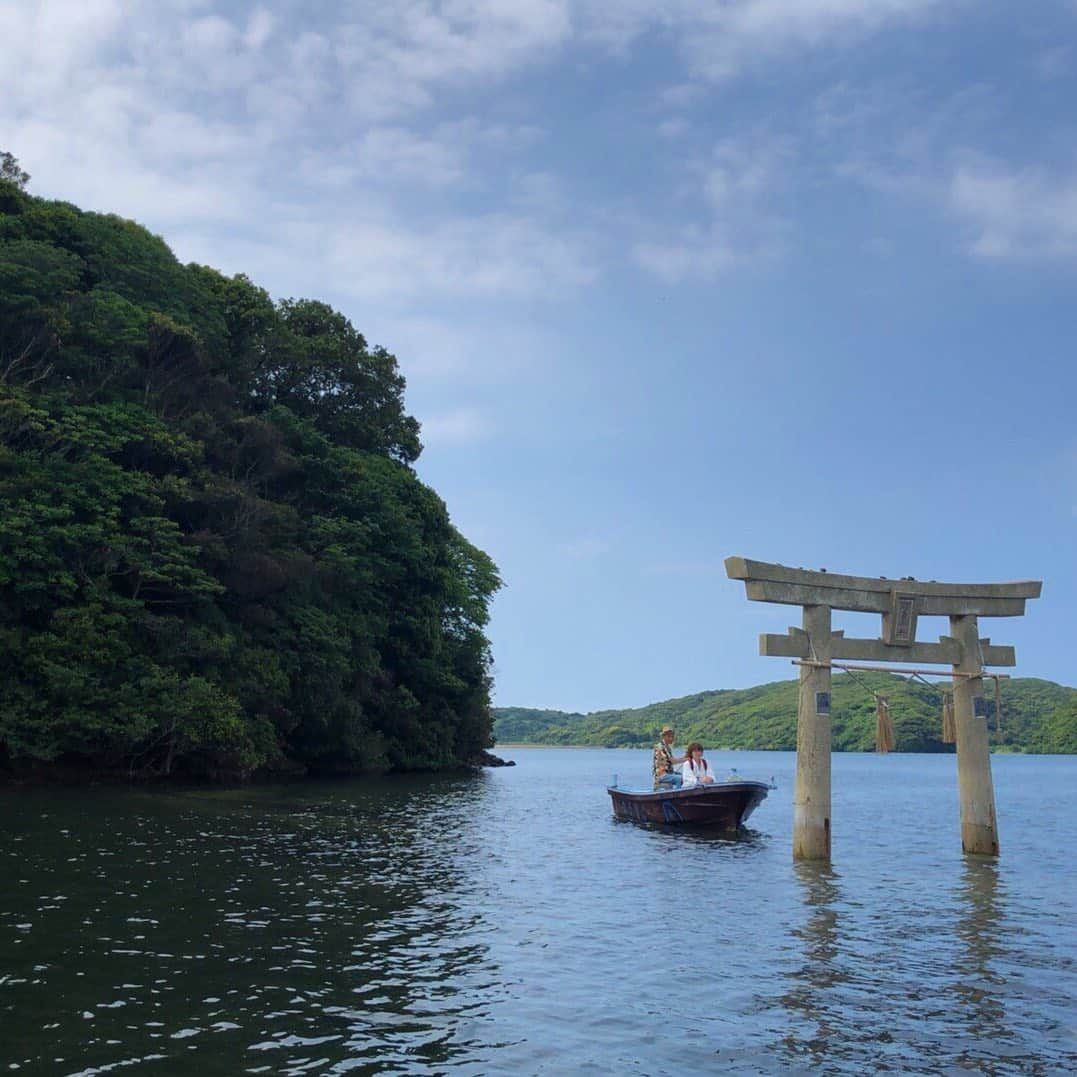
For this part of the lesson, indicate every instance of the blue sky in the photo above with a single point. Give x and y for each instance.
(668, 281)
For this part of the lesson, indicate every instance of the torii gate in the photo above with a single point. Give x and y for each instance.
(899, 602)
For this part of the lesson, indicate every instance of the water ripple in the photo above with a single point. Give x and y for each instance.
(506, 923)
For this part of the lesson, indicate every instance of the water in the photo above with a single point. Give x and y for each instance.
(506, 923)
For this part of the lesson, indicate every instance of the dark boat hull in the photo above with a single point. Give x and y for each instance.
(724, 804)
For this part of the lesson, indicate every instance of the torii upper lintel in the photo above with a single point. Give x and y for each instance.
(766, 582)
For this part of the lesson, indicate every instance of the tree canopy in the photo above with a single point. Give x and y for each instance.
(215, 557)
(11, 171)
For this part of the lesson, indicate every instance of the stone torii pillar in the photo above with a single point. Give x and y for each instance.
(900, 603)
(811, 789)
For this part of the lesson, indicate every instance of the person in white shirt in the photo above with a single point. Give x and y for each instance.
(695, 770)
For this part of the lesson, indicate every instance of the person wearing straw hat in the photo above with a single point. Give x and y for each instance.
(665, 777)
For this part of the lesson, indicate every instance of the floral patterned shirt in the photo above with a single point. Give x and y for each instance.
(663, 760)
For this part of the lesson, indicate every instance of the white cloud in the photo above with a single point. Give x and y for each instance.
(1015, 212)
(740, 170)
(45, 44)
(719, 39)
(392, 157)
(234, 135)
(673, 128)
(260, 27)
(379, 257)
(681, 95)
(371, 253)
(355, 136)
(693, 253)
(936, 153)
(1005, 210)
(454, 353)
(737, 187)
(210, 34)
(396, 56)
(844, 109)
(395, 153)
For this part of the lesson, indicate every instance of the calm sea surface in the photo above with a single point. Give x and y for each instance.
(506, 923)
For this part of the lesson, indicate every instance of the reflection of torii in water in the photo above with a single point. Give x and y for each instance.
(900, 602)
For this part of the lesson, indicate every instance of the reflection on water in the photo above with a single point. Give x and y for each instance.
(506, 923)
(979, 988)
(997, 951)
(812, 1033)
(875, 987)
(273, 929)
(669, 840)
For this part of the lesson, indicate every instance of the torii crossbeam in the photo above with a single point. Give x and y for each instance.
(899, 602)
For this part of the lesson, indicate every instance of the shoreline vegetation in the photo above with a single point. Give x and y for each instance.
(216, 559)
(1035, 716)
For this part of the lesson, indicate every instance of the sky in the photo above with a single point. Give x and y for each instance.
(669, 281)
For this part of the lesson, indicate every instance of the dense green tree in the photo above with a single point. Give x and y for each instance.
(214, 556)
(11, 172)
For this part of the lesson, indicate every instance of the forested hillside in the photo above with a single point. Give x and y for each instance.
(1034, 716)
(215, 557)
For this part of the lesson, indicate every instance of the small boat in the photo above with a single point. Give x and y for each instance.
(724, 804)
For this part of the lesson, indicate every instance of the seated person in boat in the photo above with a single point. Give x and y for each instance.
(664, 761)
(696, 771)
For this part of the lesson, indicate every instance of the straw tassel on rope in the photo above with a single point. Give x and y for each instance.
(949, 728)
(884, 727)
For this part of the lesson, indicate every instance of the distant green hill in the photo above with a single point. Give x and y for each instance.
(1036, 716)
